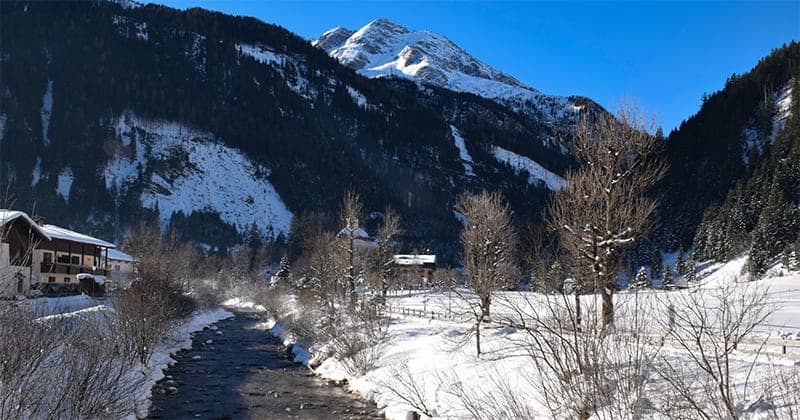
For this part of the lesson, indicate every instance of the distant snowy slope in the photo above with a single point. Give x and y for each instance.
(383, 49)
(536, 172)
(190, 171)
(755, 139)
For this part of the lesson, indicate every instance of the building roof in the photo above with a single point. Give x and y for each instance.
(57, 232)
(6, 216)
(357, 233)
(413, 259)
(115, 254)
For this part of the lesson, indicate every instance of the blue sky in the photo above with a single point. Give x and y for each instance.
(663, 55)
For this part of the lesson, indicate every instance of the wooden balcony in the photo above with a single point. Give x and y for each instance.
(64, 268)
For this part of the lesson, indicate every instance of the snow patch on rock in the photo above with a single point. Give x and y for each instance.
(199, 174)
(754, 139)
(358, 97)
(536, 172)
(463, 153)
(36, 175)
(47, 112)
(65, 180)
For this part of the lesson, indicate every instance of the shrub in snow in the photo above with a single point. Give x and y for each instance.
(710, 325)
(64, 367)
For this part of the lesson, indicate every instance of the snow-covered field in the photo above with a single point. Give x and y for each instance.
(435, 359)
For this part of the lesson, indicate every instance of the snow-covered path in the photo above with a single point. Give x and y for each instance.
(236, 369)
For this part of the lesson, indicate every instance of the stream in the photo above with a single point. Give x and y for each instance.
(239, 371)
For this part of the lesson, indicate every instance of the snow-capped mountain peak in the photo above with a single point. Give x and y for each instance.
(383, 48)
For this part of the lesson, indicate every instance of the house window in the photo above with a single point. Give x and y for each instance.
(66, 280)
(51, 279)
(47, 257)
(63, 259)
(76, 259)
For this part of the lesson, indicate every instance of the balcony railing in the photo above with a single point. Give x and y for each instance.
(63, 268)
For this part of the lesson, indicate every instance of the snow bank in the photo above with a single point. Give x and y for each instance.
(239, 303)
(46, 306)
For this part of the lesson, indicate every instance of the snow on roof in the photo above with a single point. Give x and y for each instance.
(7, 216)
(357, 233)
(100, 280)
(115, 254)
(408, 259)
(57, 232)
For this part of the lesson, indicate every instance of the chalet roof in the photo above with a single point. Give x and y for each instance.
(414, 259)
(115, 254)
(57, 232)
(6, 216)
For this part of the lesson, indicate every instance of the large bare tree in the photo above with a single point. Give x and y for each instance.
(352, 212)
(604, 206)
(489, 241)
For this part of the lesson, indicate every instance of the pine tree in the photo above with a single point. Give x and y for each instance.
(797, 254)
(281, 278)
(689, 268)
(759, 255)
(655, 262)
(642, 280)
(680, 261)
(667, 281)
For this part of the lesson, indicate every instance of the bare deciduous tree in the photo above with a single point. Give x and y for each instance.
(604, 206)
(489, 242)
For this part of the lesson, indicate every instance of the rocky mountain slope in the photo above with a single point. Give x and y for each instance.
(220, 126)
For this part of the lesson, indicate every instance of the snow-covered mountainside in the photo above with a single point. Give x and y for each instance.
(757, 137)
(186, 170)
(385, 49)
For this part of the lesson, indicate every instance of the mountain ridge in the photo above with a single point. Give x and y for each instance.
(382, 48)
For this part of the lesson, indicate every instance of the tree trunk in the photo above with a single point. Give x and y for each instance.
(577, 311)
(478, 335)
(485, 302)
(608, 308)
